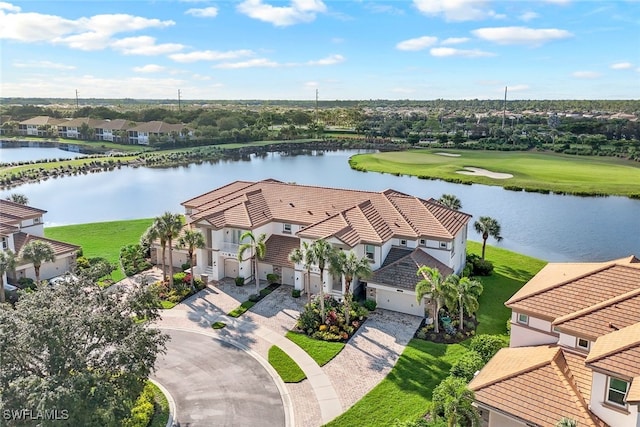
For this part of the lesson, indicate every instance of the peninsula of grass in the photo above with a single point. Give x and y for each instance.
(102, 239)
(320, 351)
(532, 171)
(241, 309)
(405, 393)
(285, 366)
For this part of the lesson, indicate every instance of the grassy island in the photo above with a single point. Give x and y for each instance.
(529, 171)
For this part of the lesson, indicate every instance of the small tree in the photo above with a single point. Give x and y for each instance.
(462, 293)
(487, 226)
(453, 400)
(257, 249)
(349, 266)
(38, 252)
(305, 256)
(450, 201)
(432, 283)
(191, 240)
(7, 263)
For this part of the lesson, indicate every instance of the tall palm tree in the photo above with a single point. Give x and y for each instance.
(7, 263)
(306, 257)
(168, 227)
(37, 252)
(487, 226)
(322, 252)
(463, 293)
(450, 201)
(432, 283)
(257, 249)
(349, 266)
(192, 240)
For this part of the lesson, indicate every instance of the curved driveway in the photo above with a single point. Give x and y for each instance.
(217, 384)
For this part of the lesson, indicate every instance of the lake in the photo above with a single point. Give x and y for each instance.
(22, 154)
(550, 227)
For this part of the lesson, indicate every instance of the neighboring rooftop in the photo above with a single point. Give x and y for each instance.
(400, 266)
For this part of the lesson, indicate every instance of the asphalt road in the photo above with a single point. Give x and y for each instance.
(216, 384)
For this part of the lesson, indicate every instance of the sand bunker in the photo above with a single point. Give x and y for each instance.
(483, 172)
(448, 154)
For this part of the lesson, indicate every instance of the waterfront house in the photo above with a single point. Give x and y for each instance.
(79, 128)
(389, 228)
(574, 350)
(145, 133)
(116, 130)
(39, 126)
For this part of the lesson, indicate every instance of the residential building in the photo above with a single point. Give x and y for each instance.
(392, 229)
(144, 133)
(21, 224)
(116, 130)
(574, 350)
(79, 128)
(39, 126)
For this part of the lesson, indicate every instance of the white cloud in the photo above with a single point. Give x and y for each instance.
(621, 66)
(9, 7)
(312, 84)
(85, 41)
(207, 12)
(449, 51)
(585, 74)
(149, 68)
(518, 88)
(560, 2)
(281, 16)
(454, 40)
(521, 35)
(252, 63)
(144, 45)
(210, 55)
(330, 60)
(456, 10)
(118, 23)
(418, 43)
(44, 64)
(528, 16)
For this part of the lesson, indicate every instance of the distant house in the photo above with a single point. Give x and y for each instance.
(19, 225)
(144, 133)
(74, 128)
(39, 126)
(574, 350)
(395, 231)
(116, 130)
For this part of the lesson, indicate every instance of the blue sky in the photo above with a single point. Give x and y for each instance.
(347, 50)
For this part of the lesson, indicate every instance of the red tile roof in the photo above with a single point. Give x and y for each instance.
(59, 248)
(278, 250)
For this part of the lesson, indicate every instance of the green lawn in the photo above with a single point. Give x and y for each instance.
(320, 351)
(286, 367)
(530, 170)
(101, 239)
(161, 408)
(241, 309)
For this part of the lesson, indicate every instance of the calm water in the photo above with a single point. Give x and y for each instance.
(554, 228)
(8, 155)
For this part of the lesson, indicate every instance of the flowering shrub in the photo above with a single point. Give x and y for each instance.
(334, 328)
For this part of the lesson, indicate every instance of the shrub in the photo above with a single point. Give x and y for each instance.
(295, 293)
(26, 283)
(180, 278)
(218, 325)
(272, 278)
(487, 345)
(370, 304)
(255, 297)
(467, 365)
(142, 411)
(239, 281)
(185, 266)
(480, 267)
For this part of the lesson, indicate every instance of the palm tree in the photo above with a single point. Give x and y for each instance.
(450, 201)
(7, 263)
(37, 252)
(349, 266)
(258, 250)
(463, 293)
(18, 198)
(305, 256)
(168, 227)
(487, 226)
(432, 283)
(322, 252)
(192, 240)
(453, 399)
(567, 422)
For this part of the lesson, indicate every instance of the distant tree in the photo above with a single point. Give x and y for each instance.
(7, 263)
(18, 198)
(38, 252)
(487, 226)
(450, 201)
(191, 240)
(453, 400)
(257, 250)
(89, 355)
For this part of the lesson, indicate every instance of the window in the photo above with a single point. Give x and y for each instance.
(370, 252)
(443, 245)
(3, 243)
(423, 242)
(582, 343)
(36, 220)
(286, 228)
(403, 242)
(617, 391)
(523, 318)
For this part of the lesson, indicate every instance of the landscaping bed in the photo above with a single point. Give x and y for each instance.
(253, 299)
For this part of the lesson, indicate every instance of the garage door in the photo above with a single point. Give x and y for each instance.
(230, 267)
(288, 276)
(398, 301)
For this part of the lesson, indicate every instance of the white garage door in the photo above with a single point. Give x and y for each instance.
(288, 276)
(399, 301)
(230, 267)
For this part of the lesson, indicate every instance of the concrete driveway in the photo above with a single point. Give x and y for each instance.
(217, 384)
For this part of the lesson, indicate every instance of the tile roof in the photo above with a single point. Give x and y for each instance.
(633, 395)
(158, 127)
(59, 248)
(11, 214)
(278, 250)
(538, 385)
(116, 124)
(401, 273)
(79, 121)
(350, 215)
(41, 121)
(618, 352)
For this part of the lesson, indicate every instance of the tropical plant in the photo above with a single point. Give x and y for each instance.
(349, 266)
(306, 257)
(462, 293)
(453, 400)
(487, 226)
(7, 263)
(567, 422)
(191, 240)
(322, 253)
(431, 283)
(257, 249)
(38, 252)
(450, 201)
(168, 227)
(18, 198)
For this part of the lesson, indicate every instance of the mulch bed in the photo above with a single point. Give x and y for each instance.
(442, 337)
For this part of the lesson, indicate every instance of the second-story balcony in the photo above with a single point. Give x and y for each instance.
(229, 249)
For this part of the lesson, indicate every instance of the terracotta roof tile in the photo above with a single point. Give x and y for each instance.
(12, 213)
(633, 396)
(401, 273)
(59, 248)
(41, 121)
(278, 250)
(618, 352)
(157, 127)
